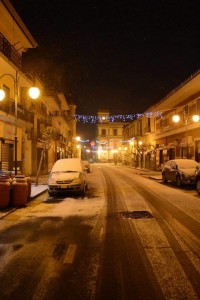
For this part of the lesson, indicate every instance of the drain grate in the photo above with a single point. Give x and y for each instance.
(138, 214)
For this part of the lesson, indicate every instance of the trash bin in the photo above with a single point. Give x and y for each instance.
(28, 178)
(19, 191)
(4, 191)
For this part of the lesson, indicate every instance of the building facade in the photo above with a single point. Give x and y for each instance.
(169, 129)
(109, 139)
(45, 127)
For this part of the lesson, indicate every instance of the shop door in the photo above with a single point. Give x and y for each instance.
(171, 153)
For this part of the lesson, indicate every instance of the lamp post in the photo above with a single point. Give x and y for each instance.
(132, 157)
(33, 93)
(141, 152)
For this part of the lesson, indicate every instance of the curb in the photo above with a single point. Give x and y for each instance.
(34, 196)
(7, 212)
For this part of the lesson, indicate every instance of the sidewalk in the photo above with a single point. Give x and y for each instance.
(40, 187)
(35, 191)
(157, 175)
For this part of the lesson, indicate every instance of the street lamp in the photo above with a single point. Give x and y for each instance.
(34, 93)
(132, 157)
(140, 150)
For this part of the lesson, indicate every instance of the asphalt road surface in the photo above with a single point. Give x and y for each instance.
(131, 237)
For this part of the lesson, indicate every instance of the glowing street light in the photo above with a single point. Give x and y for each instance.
(195, 118)
(78, 138)
(140, 143)
(2, 95)
(176, 118)
(34, 93)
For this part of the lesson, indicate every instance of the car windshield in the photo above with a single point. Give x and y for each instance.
(187, 164)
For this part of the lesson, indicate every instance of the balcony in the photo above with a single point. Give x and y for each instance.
(23, 113)
(53, 100)
(61, 116)
(9, 51)
(147, 130)
(39, 108)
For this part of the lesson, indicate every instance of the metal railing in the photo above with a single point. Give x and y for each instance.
(23, 113)
(10, 52)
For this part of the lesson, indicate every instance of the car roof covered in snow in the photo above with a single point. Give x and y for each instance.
(68, 164)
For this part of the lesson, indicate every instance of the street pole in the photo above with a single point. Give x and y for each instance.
(15, 138)
(186, 142)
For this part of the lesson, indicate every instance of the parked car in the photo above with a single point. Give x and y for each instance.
(180, 171)
(198, 181)
(87, 165)
(67, 175)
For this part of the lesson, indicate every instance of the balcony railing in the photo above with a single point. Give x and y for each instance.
(61, 115)
(39, 108)
(10, 52)
(23, 113)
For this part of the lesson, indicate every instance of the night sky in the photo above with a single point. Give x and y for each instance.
(120, 55)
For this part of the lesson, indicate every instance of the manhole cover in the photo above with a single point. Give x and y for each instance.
(140, 214)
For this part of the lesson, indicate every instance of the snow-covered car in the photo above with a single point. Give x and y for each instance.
(181, 171)
(87, 165)
(67, 175)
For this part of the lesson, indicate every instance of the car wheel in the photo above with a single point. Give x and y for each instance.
(164, 179)
(198, 186)
(82, 192)
(50, 194)
(178, 181)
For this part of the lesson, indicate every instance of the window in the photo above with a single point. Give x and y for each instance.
(114, 131)
(149, 124)
(103, 132)
(23, 95)
(161, 123)
(140, 128)
(185, 112)
(198, 106)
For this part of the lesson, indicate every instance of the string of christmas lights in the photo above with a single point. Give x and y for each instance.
(113, 118)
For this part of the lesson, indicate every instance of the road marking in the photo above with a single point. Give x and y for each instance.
(69, 257)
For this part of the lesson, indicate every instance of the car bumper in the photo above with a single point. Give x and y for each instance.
(64, 188)
(190, 181)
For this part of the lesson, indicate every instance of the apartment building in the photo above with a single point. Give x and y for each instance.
(169, 129)
(109, 139)
(29, 129)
